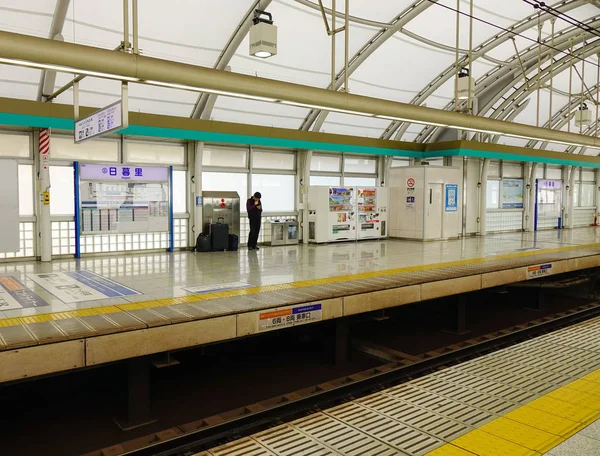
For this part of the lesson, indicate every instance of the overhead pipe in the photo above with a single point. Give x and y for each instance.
(37, 52)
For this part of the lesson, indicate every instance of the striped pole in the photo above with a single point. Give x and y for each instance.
(44, 222)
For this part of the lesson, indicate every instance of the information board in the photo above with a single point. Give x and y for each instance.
(102, 122)
(512, 193)
(451, 197)
(123, 199)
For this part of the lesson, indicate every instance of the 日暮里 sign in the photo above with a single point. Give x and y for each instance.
(123, 173)
(106, 120)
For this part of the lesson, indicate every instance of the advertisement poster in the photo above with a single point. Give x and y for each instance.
(367, 200)
(340, 199)
(512, 193)
(14, 295)
(451, 198)
(80, 286)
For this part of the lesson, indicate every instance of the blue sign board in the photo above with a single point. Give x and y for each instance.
(451, 198)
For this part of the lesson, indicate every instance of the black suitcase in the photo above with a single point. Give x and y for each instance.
(234, 241)
(203, 243)
(219, 233)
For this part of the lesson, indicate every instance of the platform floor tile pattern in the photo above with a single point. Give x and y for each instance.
(538, 397)
(166, 276)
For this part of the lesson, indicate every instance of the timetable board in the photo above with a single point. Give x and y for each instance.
(123, 199)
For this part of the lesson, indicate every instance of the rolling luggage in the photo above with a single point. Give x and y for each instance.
(234, 241)
(219, 233)
(203, 243)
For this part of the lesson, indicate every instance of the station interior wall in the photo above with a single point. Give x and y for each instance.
(276, 173)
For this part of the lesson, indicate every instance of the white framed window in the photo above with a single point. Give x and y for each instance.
(400, 162)
(588, 175)
(326, 163)
(62, 190)
(512, 170)
(494, 168)
(587, 194)
(277, 191)
(262, 159)
(225, 157)
(325, 180)
(360, 181)
(96, 150)
(492, 197)
(179, 192)
(360, 165)
(25, 190)
(15, 145)
(229, 182)
(553, 173)
(154, 154)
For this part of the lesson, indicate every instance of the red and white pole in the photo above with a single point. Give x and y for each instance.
(45, 224)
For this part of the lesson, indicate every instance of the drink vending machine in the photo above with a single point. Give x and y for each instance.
(346, 213)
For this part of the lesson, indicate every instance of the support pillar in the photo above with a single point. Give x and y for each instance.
(483, 198)
(137, 413)
(199, 149)
(44, 221)
(460, 311)
(341, 330)
(532, 198)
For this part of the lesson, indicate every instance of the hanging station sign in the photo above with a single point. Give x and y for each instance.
(103, 122)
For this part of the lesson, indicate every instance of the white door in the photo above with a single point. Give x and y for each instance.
(434, 205)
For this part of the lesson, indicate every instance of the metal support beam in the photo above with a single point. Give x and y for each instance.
(48, 77)
(138, 395)
(341, 331)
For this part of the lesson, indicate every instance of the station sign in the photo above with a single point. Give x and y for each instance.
(103, 122)
(111, 172)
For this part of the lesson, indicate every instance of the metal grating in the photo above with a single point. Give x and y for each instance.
(243, 447)
(287, 441)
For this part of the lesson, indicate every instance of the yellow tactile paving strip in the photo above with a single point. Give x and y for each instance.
(536, 427)
(102, 310)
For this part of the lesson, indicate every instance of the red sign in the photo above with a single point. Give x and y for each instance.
(410, 182)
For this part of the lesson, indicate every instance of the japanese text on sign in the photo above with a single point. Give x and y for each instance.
(107, 120)
(123, 172)
(533, 272)
(289, 316)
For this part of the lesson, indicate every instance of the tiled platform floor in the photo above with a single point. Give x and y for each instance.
(164, 275)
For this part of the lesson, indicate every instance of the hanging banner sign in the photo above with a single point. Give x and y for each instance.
(451, 198)
(14, 295)
(103, 122)
(289, 316)
(512, 193)
(80, 286)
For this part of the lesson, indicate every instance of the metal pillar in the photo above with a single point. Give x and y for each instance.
(341, 330)
(197, 229)
(459, 306)
(44, 221)
(138, 395)
(532, 198)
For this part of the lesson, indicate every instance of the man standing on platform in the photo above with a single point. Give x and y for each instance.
(254, 208)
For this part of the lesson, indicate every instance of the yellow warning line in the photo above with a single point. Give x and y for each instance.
(40, 318)
(536, 427)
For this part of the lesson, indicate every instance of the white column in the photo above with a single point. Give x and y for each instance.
(483, 197)
(305, 158)
(526, 195)
(44, 222)
(199, 149)
(571, 197)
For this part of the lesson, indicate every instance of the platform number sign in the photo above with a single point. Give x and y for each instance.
(289, 316)
(410, 182)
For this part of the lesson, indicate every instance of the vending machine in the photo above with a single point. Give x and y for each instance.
(371, 204)
(331, 214)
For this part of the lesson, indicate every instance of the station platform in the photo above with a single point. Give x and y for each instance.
(538, 397)
(70, 314)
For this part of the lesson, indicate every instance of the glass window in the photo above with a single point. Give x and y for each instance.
(273, 160)
(228, 182)
(553, 173)
(94, 150)
(512, 170)
(494, 168)
(576, 201)
(179, 192)
(325, 180)
(164, 154)
(588, 175)
(62, 190)
(587, 194)
(14, 145)
(360, 181)
(225, 157)
(277, 191)
(360, 165)
(492, 194)
(435, 161)
(539, 174)
(25, 190)
(326, 163)
(399, 163)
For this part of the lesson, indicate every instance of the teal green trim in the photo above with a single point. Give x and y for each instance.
(23, 120)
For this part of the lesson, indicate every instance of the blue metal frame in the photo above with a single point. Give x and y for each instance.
(77, 212)
(535, 211)
(171, 217)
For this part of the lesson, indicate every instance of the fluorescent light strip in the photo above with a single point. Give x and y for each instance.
(64, 69)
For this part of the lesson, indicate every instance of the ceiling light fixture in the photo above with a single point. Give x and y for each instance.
(263, 35)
